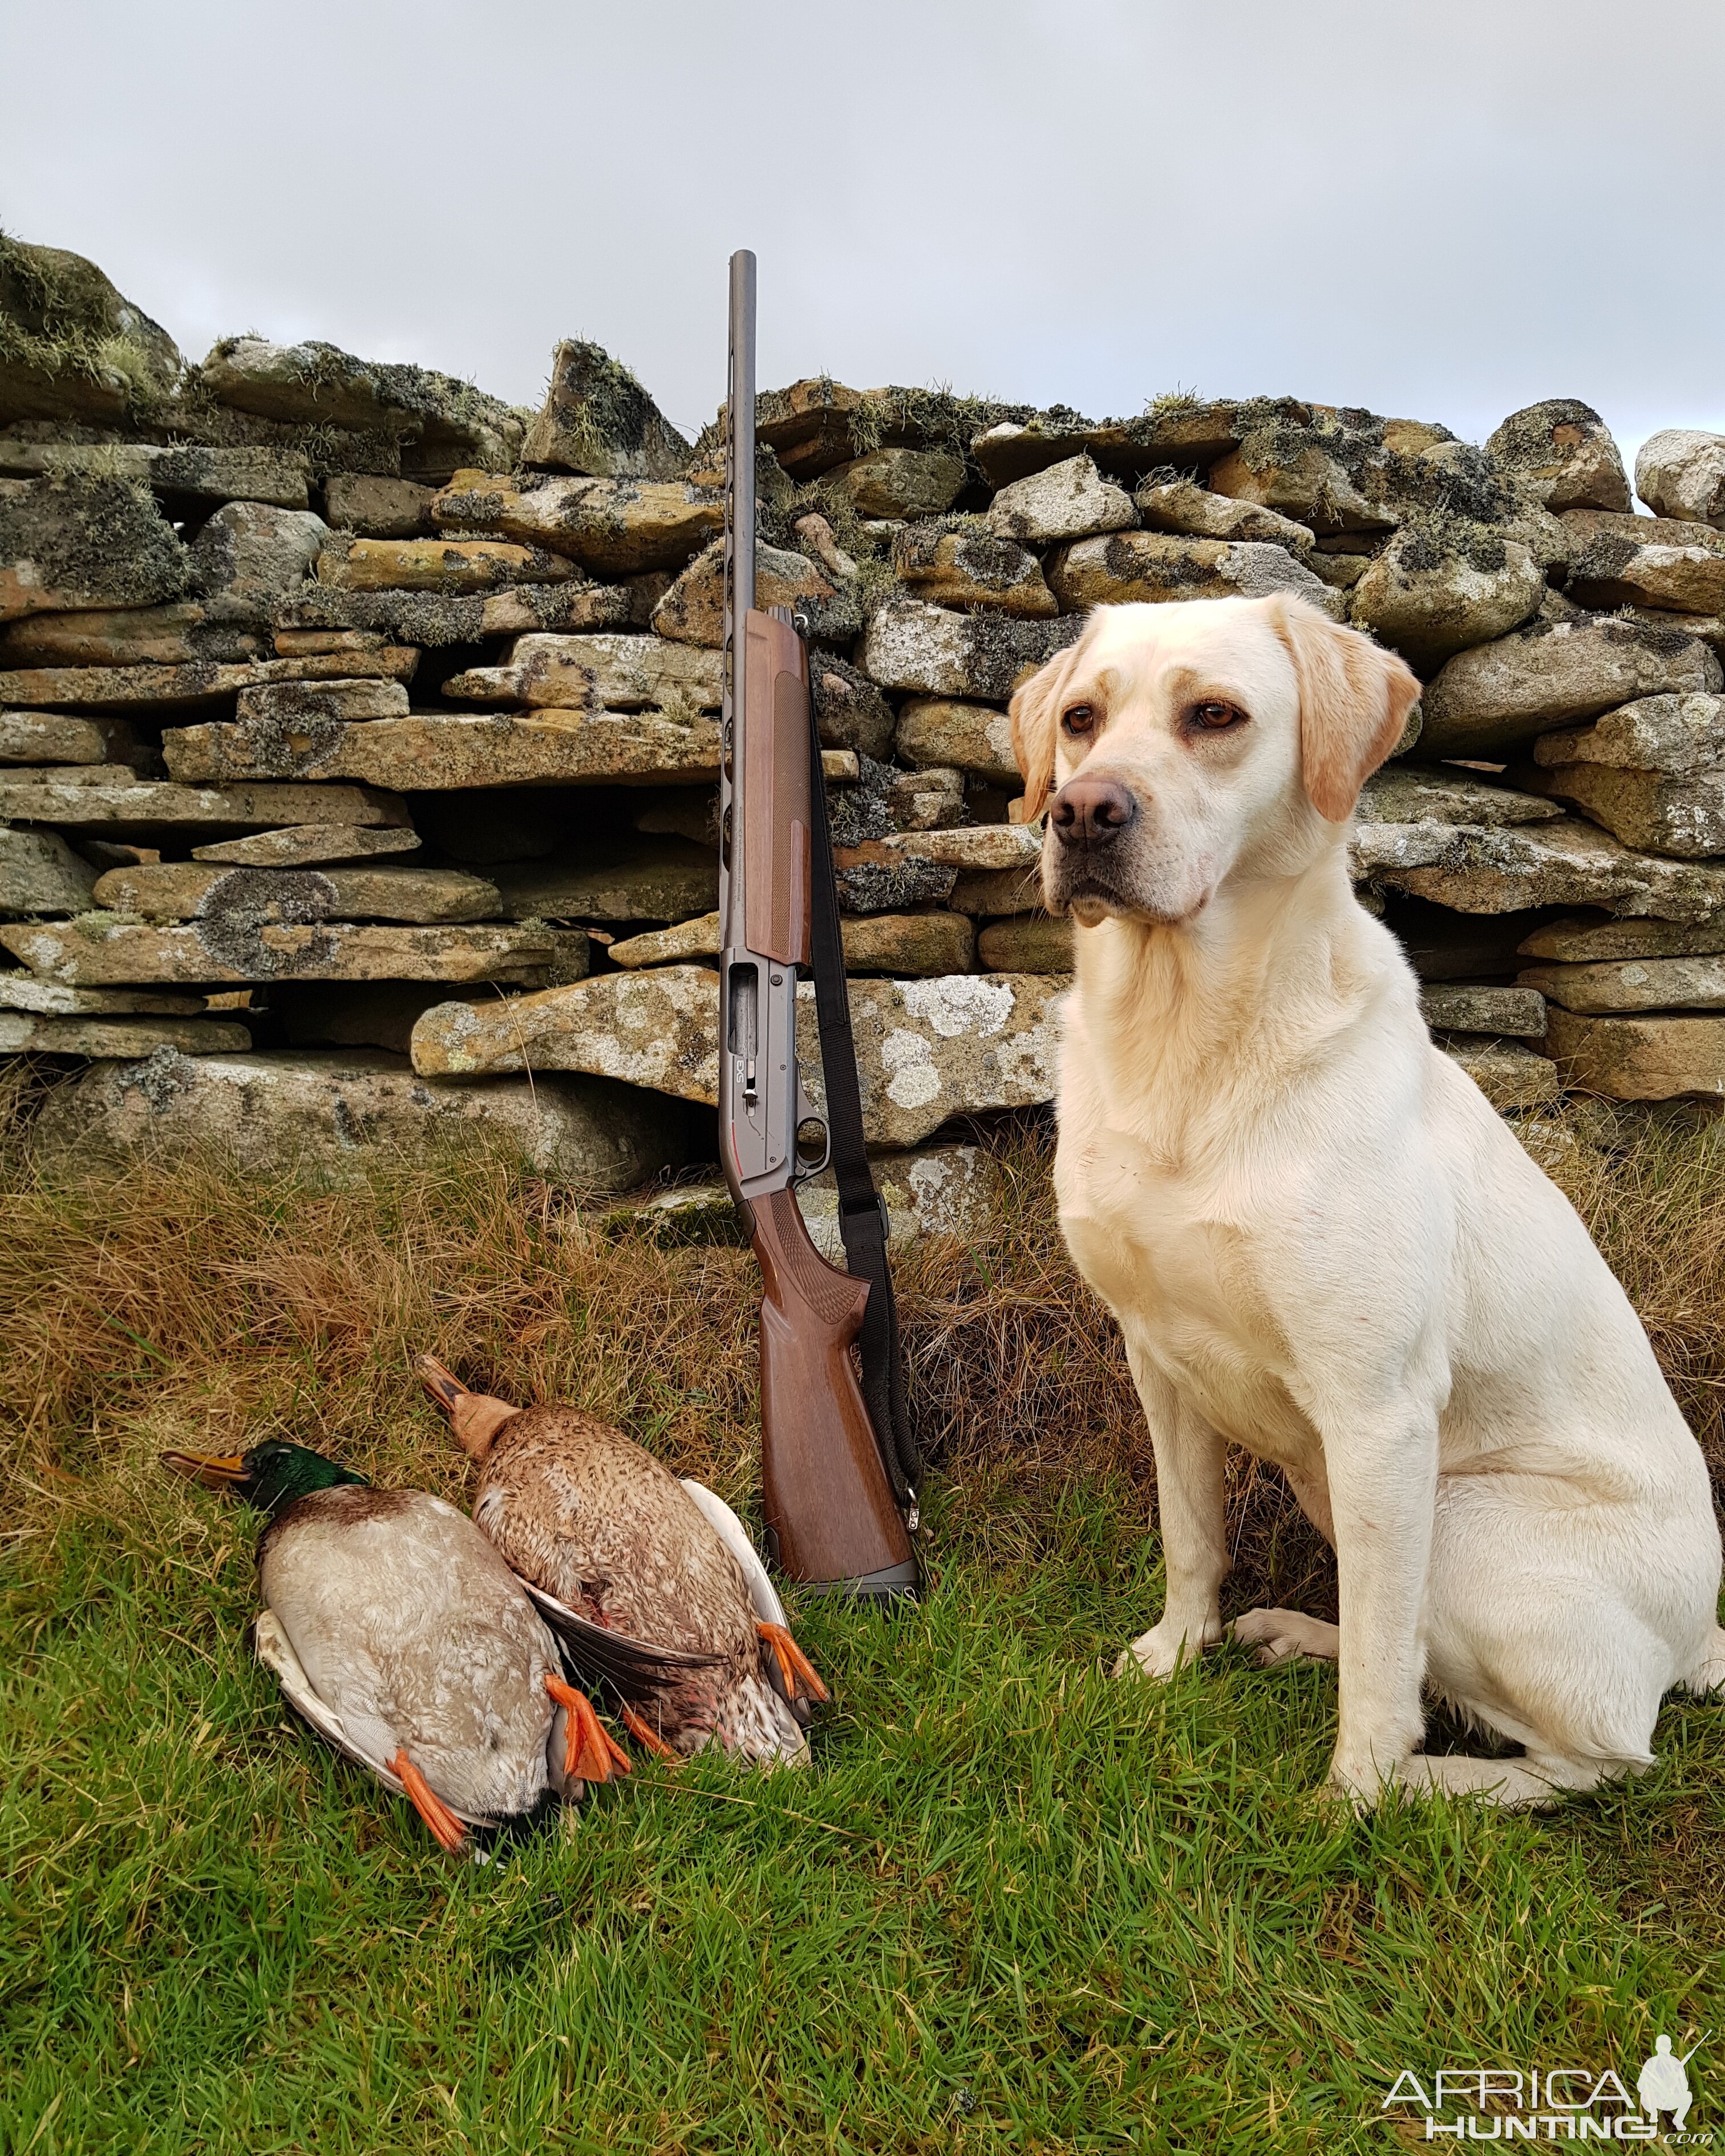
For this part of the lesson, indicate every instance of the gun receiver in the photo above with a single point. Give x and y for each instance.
(829, 1506)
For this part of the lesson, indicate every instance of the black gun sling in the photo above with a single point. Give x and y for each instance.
(862, 1217)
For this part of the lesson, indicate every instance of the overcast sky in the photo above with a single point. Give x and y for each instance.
(1442, 211)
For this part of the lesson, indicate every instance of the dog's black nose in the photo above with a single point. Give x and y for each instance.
(1089, 811)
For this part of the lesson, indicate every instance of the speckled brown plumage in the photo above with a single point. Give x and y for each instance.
(580, 1510)
(585, 1515)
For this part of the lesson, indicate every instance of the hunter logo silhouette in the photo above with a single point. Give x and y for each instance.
(1662, 2085)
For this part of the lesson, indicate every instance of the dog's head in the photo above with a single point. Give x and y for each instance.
(1182, 744)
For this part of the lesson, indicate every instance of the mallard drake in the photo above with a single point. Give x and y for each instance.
(399, 1634)
(650, 1583)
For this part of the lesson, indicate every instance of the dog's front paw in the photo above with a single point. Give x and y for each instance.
(1364, 1783)
(1160, 1651)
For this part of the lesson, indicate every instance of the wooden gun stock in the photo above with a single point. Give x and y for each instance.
(829, 1507)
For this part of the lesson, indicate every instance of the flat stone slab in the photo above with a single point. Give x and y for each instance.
(970, 846)
(655, 880)
(599, 673)
(1027, 943)
(48, 563)
(943, 731)
(985, 894)
(446, 420)
(972, 567)
(1683, 817)
(57, 738)
(98, 1037)
(1678, 736)
(24, 991)
(454, 568)
(186, 688)
(685, 942)
(1459, 1007)
(339, 1113)
(439, 752)
(200, 476)
(927, 1049)
(40, 874)
(148, 807)
(930, 1050)
(1182, 505)
(1633, 984)
(308, 846)
(301, 703)
(1552, 674)
(1416, 794)
(1583, 938)
(614, 528)
(1129, 567)
(247, 897)
(1508, 1074)
(1566, 863)
(909, 946)
(657, 1029)
(927, 1190)
(1625, 560)
(99, 950)
(434, 618)
(910, 644)
(1638, 1059)
(183, 633)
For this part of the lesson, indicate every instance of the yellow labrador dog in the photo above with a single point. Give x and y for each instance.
(1321, 1241)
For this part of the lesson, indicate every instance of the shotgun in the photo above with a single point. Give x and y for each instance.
(827, 1337)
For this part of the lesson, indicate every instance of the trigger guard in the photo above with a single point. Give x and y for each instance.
(802, 1172)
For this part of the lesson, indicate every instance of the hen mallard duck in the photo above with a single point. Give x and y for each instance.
(400, 1635)
(651, 1584)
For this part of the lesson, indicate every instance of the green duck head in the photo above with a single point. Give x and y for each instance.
(271, 1476)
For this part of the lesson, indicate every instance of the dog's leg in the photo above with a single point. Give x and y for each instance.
(1279, 1635)
(1192, 1512)
(1708, 1674)
(1532, 1783)
(1382, 1467)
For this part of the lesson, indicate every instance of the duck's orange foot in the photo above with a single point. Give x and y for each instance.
(591, 1754)
(792, 1663)
(643, 1732)
(425, 1800)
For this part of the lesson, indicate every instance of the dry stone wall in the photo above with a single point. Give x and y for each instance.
(359, 737)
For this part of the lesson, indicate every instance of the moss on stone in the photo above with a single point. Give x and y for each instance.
(64, 327)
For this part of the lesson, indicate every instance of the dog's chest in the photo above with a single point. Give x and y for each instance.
(1174, 1260)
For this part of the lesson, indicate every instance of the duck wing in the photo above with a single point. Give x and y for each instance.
(634, 1668)
(274, 1648)
(731, 1531)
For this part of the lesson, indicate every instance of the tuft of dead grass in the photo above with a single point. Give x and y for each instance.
(175, 1303)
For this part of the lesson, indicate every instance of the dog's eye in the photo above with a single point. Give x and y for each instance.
(1079, 718)
(1216, 718)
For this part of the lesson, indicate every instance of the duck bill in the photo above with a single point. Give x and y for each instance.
(214, 1470)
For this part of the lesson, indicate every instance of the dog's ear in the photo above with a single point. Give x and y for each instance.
(1354, 701)
(1034, 710)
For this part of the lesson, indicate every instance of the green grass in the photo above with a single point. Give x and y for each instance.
(1014, 1904)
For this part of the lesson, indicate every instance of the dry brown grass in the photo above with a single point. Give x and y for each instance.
(173, 1303)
